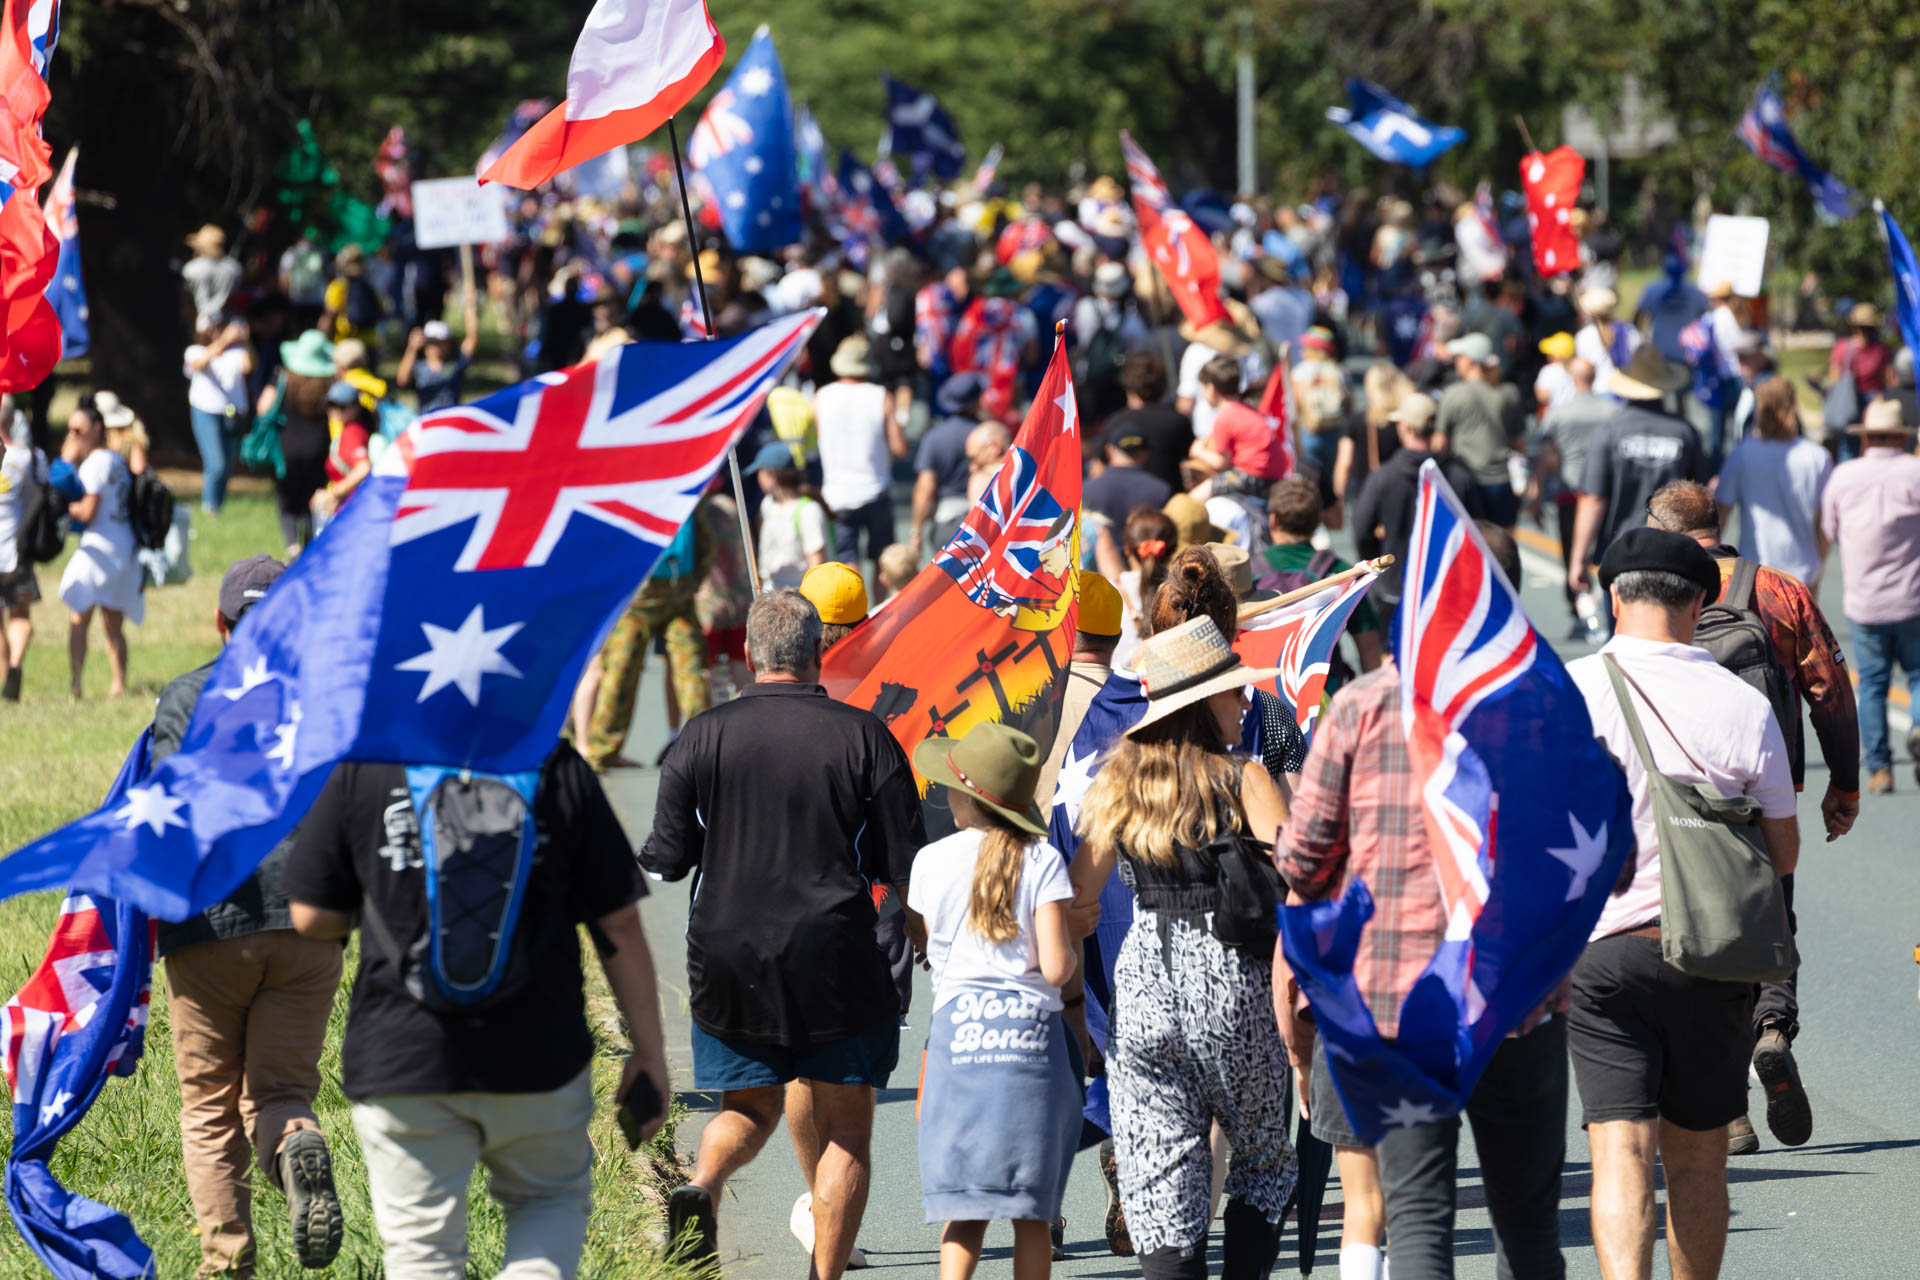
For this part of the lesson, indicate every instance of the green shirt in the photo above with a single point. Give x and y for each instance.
(1294, 557)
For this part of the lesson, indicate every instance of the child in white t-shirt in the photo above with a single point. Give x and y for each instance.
(793, 526)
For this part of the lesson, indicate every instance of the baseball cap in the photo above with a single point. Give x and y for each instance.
(246, 584)
(1099, 607)
(342, 394)
(1415, 410)
(436, 331)
(1557, 345)
(1662, 552)
(1125, 437)
(1477, 347)
(837, 591)
(774, 454)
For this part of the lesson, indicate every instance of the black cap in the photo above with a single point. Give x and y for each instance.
(1126, 438)
(1662, 552)
(246, 584)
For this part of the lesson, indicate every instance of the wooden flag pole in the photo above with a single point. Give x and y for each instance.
(1524, 135)
(1315, 588)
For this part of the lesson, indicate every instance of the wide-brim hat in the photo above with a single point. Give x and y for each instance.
(1720, 290)
(310, 355)
(1881, 418)
(1234, 336)
(1600, 301)
(1190, 519)
(995, 764)
(1187, 664)
(852, 358)
(1864, 315)
(115, 414)
(1648, 376)
(1238, 566)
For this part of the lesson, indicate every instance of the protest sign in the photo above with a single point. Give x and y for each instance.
(1734, 250)
(450, 211)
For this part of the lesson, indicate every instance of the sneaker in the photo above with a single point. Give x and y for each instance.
(1741, 1139)
(1788, 1113)
(1118, 1241)
(306, 1175)
(690, 1209)
(800, 1223)
(1057, 1233)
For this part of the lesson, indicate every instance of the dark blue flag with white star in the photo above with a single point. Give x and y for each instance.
(920, 129)
(443, 618)
(743, 150)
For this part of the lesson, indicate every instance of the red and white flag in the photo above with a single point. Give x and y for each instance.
(1276, 406)
(1177, 246)
(636, 63)
(1552, 183)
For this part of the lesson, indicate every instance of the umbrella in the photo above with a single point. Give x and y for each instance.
(1310, 1190)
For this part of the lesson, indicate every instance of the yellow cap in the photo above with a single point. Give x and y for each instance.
(837, 591)
(1559, 346)
(1099, 606)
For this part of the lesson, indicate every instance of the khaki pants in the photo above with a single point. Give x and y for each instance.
(249, 1020)
(421, 1150)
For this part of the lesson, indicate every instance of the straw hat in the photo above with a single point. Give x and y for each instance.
(1599, 303)
(1100, 607)
(1188, 664)
(1235, 336)
(1881, 418)
(1238, 566)
(1189, 516)
(1647, 376)
(852, 358)
(208, 239)
(1104, 189)
(1864, 315)
(995, 764)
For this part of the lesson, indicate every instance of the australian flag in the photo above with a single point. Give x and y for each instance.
(919, 128)
(1906, 277)
(743, 147)
(1528, 821)
(1391, 129)
(80, 1018)
(67, 292)
(863, 215)
(443, 617)
(810, 151)
(1764, 129)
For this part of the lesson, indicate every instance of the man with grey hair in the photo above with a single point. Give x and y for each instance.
(788, 806)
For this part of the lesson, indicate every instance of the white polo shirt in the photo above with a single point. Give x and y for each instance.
(1728, 727)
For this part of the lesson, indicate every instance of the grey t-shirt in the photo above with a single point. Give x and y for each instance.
(1476, 421)
(1571, 426)
(213, 281)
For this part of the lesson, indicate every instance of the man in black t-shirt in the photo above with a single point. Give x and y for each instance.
(507, 1084)
(788, 806)
(1166, 433)
(1125, 484)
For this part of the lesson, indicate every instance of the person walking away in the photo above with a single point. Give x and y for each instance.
(1383, 517)
(795, 534)
(297, 404)
(1603, 342)
(1775, 480)
(1480, 423)
(303, 278)
(430, 367)
(1566, 430)
(1553, 385)
(1660, 1058)
(998, 1130)
(23, 469)
(788, 805)
(1293, 513)
(1192, 1038)
(218, 365)
(1871, 513)
(859, 442)
(248, 999)
(940, 466)
(1321, 395)
(1727, 328)
(1167, 431)
(211, 275)
(104, 574)
(1357, 814)
(1669, 305)
(352, 306)
(1368, 438)
(438, 1089)
(1148, 544)
(1862, 355)
(1096, 633)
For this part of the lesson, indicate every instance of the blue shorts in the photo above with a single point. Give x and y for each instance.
(868, 1059)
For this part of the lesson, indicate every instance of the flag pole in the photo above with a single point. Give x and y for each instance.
(1315, 588)
(706, 315)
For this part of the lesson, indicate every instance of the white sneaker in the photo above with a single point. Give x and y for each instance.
(800, 1222)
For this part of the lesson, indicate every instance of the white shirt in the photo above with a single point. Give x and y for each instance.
(1729, 729)
(16, 473)
(1553, 385)
(941, 890)
(855, 463)
(1724, 327)
(219, 385)
(1591, 345)
(790, 531)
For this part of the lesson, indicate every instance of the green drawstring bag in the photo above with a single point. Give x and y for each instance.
(261, 446)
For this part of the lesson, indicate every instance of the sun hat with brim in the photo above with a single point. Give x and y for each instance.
(1720, 290)
(1238, 566)
(995, 764)
(1189, 516)
(1648, 376)
(1599, 302)
(852, 358)
(1864, 315)
(310, 355)
(1881, 418)
(1188, 664)
(1559, 346)
(115, 415)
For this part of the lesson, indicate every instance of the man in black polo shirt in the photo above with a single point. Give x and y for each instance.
(1124, 485)
(787, 805)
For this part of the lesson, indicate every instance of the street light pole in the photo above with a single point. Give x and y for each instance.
(1249, 170)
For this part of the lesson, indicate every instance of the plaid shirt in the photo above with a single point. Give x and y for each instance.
(1357, 812)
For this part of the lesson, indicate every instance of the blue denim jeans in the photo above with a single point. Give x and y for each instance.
(874, 522)
(217, 442)
(1876, 648)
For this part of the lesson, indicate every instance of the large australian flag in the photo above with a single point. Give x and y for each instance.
(442, 618)
(743, 149)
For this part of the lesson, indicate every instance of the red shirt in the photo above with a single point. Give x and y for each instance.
(1247, 440)
(1867, 362)
(348, 451)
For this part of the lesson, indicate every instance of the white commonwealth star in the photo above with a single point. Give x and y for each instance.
(1406, 1113)
(152, 806)
(281, 752)
(753, 164)
(1584, 858)
(1076, 775)
(56, 1106)
(252, 676)
(460, 658)
(736, 199)
(756, 81)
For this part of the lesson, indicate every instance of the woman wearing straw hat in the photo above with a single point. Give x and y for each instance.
(1605, 342)
(1000, 1106)
(1861, 353)
(1193, 1038)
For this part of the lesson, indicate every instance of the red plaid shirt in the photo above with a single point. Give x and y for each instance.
(1357, 812)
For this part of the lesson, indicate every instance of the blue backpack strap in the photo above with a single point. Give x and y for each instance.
(425, 782)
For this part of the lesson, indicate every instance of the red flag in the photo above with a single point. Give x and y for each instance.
(1552, 183)
(985, 631)
(1276, 406)
(1299, 640)
(636, 63)
(29, 252)
(1180, 249)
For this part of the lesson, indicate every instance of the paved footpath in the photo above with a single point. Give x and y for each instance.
(1841, 1206)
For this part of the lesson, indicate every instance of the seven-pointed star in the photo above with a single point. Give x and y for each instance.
(1584, 858)
(1406, 1113)
(153, 806)
(756, 81)
(56, 1106)
(252, 676)
(459, 658)
(281, 752)
(1076, 775)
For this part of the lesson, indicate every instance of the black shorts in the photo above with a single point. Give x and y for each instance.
(1649, 1041)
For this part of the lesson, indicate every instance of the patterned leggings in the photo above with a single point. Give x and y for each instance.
(654, 611)
(1193, 1040)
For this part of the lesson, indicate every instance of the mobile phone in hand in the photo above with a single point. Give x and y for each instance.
(641, 1104)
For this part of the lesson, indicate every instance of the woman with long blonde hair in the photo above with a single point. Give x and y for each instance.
(1369, 439)
(1775, 479)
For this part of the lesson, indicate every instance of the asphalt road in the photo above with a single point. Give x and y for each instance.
(1843, 1205)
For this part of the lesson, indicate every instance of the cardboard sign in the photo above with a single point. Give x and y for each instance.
(450, 211)
(1734, 250)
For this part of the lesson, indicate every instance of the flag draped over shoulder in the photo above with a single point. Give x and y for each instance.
(29, 329)
(1177, 245)
(1552, 183)
(444, 616)
(80, 1018)
(985, 632)
(1527, 817)
(636, 63)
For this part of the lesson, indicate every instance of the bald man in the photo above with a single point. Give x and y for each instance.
(987, 444)
(1564, 433)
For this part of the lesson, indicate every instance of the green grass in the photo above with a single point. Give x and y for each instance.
(57, 757)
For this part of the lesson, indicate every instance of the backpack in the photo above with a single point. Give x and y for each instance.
(363, 304)
(478, 843)
(1737, 637)
(1096, 373)
(150, 509)
(42, 532)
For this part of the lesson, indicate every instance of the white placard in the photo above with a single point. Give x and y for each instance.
(1734, 250)
(450, 211)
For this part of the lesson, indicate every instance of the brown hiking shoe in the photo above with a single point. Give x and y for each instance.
(1741, 1139)
(1880, 782)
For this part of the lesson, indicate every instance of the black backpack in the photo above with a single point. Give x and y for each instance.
(1737, 637)
(1096, 374)
(42, 531)
(150, 509)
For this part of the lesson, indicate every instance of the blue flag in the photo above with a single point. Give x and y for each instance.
(444, 616)
(1906, 277)
(1527, 818)
(861, 213)
(919, 128)
(1764, 129)
(743, 148)
(80, 1018)
(1391, 129)
(67, 291)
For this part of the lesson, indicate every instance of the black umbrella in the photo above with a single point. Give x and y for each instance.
(1310, 1189)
